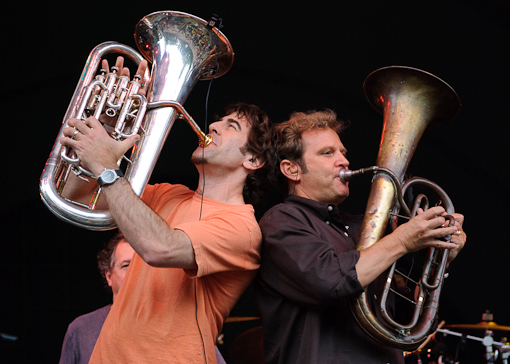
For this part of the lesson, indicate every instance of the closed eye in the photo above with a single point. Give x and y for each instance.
(326, 152)
(234, 124)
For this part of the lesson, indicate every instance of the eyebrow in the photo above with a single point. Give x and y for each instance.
(123, 261)
(234, 121)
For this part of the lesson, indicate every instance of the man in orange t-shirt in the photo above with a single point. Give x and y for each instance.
(196, 251)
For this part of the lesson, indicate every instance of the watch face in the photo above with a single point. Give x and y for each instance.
(108, 176)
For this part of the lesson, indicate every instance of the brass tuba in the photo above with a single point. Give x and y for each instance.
(182, 49)
(410, 100)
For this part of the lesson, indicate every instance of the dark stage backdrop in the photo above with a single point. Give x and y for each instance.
(289, 56)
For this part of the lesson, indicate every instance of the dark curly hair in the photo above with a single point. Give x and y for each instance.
(104, 257)
(262, 144)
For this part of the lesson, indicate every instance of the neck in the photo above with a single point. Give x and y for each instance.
(226, 187)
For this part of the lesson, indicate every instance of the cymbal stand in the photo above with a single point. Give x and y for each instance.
(488, 342)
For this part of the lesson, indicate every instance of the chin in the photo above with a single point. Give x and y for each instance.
(198, 158)
(341, 198)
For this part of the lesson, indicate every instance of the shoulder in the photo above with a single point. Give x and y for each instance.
(96, 317)
(284, 212)
(223, 221)
(160, 192)
(162, 188)
(222, 212)
(232, 220)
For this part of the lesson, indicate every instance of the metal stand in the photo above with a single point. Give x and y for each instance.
(488, 342)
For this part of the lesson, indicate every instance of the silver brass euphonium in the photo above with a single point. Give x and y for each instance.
(410, 100)
(182, 49)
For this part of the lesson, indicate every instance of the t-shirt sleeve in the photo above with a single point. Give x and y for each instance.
(226, 241)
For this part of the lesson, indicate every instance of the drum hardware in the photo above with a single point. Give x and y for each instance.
(487, 323)
(488, 342)
(427, 354)
(492, 326)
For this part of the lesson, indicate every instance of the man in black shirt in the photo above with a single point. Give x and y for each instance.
(310, 265)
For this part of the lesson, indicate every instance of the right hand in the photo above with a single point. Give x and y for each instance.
(424, 231)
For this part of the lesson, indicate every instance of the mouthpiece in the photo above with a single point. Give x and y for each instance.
(203, 139)
(346, 175)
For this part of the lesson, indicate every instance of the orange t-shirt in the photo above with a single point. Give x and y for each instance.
(171, 315)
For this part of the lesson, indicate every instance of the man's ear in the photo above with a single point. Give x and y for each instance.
(253, 163)
(108, 276)
(290, 170)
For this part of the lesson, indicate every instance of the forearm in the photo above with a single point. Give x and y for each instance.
(376, 259)
(423, 231)
(149, 235)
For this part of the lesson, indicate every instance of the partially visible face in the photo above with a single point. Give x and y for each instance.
(324, 157)
(230, 135)
(121, 258)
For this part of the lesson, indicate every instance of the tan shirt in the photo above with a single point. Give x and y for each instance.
(168, 315)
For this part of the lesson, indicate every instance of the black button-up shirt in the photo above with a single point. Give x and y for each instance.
(307, 272)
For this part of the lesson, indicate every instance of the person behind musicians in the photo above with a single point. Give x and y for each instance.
(113, 261)
(195, 251)
(81, 336)
(310, 264)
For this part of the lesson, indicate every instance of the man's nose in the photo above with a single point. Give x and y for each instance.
(213, 128)
(342, 161)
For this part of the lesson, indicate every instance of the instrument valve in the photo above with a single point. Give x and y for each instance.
(111, 112)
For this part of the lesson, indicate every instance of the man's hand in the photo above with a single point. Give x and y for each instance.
(458, 238)
(93, 146)
(424, 230)
(123, 71)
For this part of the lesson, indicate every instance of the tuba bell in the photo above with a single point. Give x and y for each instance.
(410, 100)
(182, 49)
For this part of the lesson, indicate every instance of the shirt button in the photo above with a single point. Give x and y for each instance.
(330, 208)
(327, 222)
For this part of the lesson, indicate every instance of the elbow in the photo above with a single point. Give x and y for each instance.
(167, 259)
(153, 259)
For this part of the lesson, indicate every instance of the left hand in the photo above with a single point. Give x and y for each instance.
(459, 239)
(124, 71)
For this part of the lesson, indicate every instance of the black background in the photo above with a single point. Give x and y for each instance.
(289, 56)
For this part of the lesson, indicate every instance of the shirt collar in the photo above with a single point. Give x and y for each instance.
(324, 211)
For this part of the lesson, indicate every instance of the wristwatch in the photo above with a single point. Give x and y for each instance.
(109, 176)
